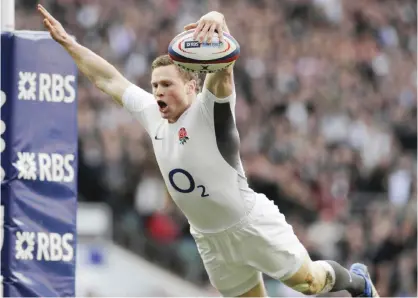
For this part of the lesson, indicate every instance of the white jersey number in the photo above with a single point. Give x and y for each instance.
(192, 183)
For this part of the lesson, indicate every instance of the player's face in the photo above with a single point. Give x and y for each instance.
(170, 91)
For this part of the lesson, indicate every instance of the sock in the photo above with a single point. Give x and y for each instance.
(346, 280)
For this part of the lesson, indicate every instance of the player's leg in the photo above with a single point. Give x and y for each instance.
(227, 273)
(328, 276)
(234, 280)
(272, 247)
(258, 291)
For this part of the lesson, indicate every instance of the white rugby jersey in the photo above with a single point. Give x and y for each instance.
(198, 157)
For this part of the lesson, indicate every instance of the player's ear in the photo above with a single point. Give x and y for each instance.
(191, 86)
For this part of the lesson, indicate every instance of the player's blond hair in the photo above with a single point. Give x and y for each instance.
(165, 60)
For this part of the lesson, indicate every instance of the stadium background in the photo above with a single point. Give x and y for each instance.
(326, 111)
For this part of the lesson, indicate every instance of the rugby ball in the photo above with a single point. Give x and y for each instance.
(195, 56)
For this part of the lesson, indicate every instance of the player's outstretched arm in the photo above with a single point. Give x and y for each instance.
(221, 83)
(104, 75)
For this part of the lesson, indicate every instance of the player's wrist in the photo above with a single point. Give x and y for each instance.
(74, 48)
(69, 43)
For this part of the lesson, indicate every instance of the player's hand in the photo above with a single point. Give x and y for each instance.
(54, 27)
(206, 26)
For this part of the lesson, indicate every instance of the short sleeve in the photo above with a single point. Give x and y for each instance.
(212, 104)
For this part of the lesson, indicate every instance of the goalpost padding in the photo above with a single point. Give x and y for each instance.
(39, 163)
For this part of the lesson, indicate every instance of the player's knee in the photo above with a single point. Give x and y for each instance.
(318, 279)
(310, 286)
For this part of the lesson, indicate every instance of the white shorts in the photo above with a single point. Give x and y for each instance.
(261, 242)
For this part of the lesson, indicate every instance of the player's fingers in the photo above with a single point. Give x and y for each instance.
(190, 26)
(203, 32)
(46, 14)
(47, 25)
(52, 30)
(211, 32)
(198, 29)
(220, 33)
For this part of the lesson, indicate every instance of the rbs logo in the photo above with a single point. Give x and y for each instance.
(52, 167)
(49, 246)
(56, 167)
(46, 87)
(191, 44)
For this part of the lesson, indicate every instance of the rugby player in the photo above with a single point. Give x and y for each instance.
(240, 234)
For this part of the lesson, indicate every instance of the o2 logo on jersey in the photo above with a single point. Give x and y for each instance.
(189, 177)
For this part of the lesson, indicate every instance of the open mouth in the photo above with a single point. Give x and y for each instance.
(162, 105)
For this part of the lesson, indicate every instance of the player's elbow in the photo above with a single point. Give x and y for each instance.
(102, 84)
(114, 87)
(221, 84)
(105, 85)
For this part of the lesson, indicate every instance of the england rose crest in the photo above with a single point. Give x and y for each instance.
(183, 136)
